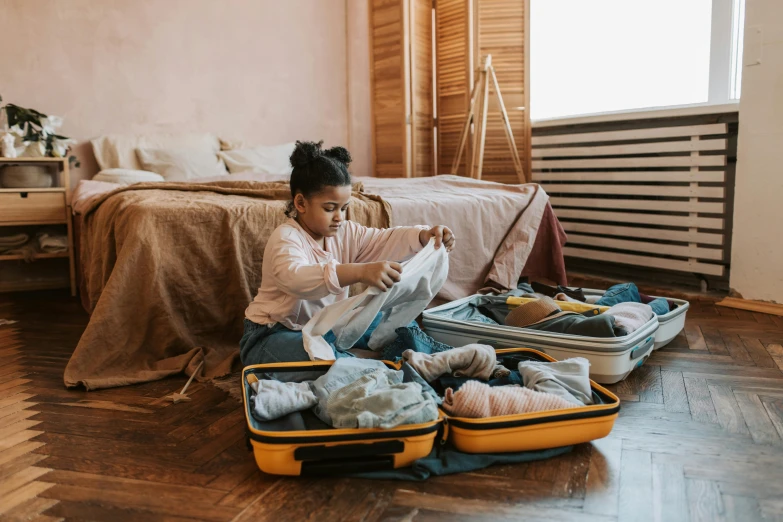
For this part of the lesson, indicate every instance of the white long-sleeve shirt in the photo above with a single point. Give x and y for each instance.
(298, 277)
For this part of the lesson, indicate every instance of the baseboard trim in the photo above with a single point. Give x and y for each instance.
(754, 306)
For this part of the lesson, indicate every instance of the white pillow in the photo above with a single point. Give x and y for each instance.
(127, 176)
(274, 159)
(181, 164)
(119, 151)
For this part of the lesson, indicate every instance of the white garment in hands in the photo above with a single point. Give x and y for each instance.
(422, 278)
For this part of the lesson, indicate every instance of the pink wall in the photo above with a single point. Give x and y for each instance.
(359, 102)
(267, 71)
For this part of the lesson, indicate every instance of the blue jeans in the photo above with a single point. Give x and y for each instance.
(265, 344)
(628, 293)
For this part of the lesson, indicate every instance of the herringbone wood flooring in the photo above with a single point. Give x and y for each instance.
(698, 438)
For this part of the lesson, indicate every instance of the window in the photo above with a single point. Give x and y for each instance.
(610, 55)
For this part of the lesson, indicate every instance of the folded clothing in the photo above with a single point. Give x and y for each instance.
(568, 379)
(473, 360)
(49, 242)
(630, 316)
(10, 242)
(532, 312)
(545, 315)
(564, 306)
(478, 400)
(379, 399)
(628, 293)
(275, 399)
(343, 372)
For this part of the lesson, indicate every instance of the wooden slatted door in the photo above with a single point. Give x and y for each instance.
(422, 102)
(651, 197)
(390, 142)
(502, 30)
(454, 75)
(402, 100)
(468, 30)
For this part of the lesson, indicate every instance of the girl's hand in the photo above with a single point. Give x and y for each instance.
(443, 236)
(381, 275)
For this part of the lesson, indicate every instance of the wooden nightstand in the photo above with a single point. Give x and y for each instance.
(28, 210)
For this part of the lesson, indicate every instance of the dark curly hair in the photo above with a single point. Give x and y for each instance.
(314, 169)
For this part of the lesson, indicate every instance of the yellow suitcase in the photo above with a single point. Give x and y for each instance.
(331, 451)
(281, 451)
(535, 431)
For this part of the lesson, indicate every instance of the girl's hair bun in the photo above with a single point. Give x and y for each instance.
(314, 169)
(339, 153)
(305, 152)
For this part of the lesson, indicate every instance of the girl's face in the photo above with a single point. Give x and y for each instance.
(322, 214)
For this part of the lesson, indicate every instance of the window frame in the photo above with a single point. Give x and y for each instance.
(726, 48)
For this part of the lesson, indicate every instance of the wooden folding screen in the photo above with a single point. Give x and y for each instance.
(501, 30)
(402, 100)
(467, 30)
(454, 73)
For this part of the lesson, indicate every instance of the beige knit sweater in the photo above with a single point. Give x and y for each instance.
(477, 400)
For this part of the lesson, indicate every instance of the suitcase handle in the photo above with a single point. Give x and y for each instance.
(639, 350)
(343, 467)
(349, 451)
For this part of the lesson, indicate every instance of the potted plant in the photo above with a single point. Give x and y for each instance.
(29, 133)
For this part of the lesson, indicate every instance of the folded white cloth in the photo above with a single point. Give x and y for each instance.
(275, 399)
(630, 316)
(52, 242)
(422, 278)
(9, 242)
(568, 379)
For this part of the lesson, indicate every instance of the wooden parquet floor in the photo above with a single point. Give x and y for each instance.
(698, 438)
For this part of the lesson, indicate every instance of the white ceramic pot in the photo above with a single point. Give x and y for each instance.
(25, 176)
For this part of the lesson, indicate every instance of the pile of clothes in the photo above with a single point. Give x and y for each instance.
(620, 311)
(47, 240)
(476, 384)
(354, 393)
(468, 382)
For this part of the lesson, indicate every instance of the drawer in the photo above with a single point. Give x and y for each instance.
(32, 207)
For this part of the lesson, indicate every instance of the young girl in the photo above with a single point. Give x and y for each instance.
(312, 259)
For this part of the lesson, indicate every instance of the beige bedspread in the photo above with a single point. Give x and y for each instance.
(496, 225)
(169, 269)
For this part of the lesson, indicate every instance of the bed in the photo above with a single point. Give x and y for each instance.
(167, 269)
